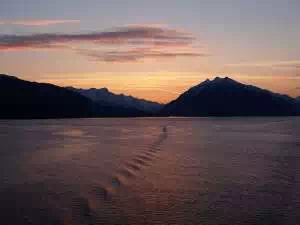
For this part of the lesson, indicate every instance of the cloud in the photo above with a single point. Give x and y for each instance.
(130, 43)
(136, 54)
(37, 22)
(293, 64)
(288, 64)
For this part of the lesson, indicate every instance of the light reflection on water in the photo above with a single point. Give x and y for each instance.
(128, 171)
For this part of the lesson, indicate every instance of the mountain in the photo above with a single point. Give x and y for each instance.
(20, 99)
(104, 95)
(227, 97)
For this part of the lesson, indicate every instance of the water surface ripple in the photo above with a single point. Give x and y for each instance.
(129, 171)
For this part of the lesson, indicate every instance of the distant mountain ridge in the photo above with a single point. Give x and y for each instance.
(227, 97)
(20, 99)
(104, 95)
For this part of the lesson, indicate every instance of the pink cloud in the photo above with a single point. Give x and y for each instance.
(38, 22)
(138, 54)
(132, 43)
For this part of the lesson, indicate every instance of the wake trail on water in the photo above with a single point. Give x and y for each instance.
(131, 169)
(85, 209)
(141, 160)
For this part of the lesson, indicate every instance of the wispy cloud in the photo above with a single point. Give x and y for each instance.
(289, 64)
(293, 64)
(130, 43)
(37, 22)
(137, 54)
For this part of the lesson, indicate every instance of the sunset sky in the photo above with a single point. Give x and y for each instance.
(152, 49)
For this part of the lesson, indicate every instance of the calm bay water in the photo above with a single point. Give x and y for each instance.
(128, 171)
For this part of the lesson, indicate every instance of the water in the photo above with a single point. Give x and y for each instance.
(131, 171)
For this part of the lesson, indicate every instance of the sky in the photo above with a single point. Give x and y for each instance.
(152, 49)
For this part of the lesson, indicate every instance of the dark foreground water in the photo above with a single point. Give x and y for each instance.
(128, 171)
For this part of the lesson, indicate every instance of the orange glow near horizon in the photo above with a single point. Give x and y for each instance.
(164, 87)
(148, 61)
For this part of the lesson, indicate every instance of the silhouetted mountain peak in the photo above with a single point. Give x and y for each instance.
(227, 97)
(217, 78)
(225, 80)
(216, 82)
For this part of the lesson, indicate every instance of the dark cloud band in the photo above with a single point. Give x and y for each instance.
(133, 43)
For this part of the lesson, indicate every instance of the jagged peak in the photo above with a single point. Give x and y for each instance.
(104, 89)
(220, 78)
(224, 80)
(217, 79)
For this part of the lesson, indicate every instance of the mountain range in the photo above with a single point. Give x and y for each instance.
(20, 99)
(104, 95)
